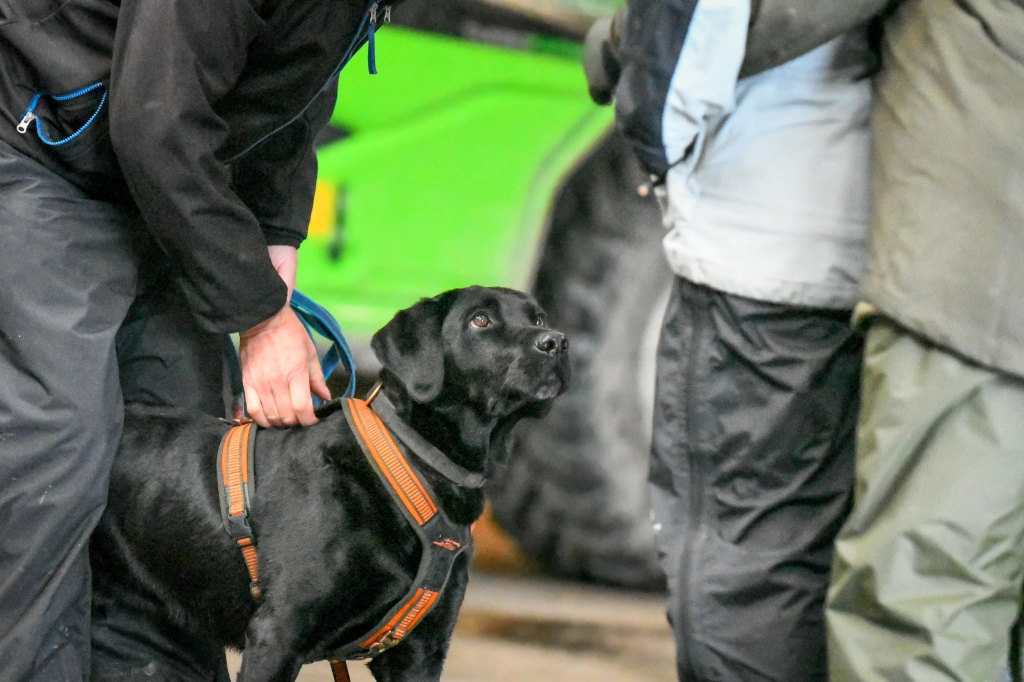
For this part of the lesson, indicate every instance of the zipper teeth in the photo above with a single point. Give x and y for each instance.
(76, 93)
(78, 132)
(696, 485)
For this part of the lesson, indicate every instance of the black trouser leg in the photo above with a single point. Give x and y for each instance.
(751, 478)
(67, 277)
(165, 359)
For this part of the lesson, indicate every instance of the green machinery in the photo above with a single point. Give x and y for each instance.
(447, 179)
(464, 163)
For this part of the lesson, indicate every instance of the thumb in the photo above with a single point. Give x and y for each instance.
(317, 383)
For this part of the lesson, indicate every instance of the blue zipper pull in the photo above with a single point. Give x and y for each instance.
(28, 116)
(371, 50)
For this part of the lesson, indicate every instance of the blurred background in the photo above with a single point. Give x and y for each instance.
(475, 156)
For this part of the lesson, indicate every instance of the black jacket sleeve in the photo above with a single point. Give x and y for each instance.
(650, 45)
(277, 179)
(173, 60)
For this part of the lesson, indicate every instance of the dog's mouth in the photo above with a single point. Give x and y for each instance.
(549, 389)
(528, 385)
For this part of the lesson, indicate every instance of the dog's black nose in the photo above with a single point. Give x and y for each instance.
(552, 343)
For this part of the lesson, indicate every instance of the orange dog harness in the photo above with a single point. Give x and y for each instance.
(442, 540)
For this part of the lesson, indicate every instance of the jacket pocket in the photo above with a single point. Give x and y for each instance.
(73, 130)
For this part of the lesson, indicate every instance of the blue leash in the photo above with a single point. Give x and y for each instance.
(316, 319)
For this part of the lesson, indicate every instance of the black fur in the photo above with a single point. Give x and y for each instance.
(335, 553)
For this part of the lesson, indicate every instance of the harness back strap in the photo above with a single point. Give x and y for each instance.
(236, 475)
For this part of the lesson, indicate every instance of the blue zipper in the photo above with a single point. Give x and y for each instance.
(29, 115)
(364, 34)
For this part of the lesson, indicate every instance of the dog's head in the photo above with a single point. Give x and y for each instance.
(488, 351)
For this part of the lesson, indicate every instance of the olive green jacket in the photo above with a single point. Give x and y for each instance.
(946, 242)
(946, 246)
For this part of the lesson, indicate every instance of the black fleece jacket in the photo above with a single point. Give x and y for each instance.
(210, 111)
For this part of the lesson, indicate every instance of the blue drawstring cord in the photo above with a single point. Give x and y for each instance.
(315, 318)
(371, 48)
(361, 36)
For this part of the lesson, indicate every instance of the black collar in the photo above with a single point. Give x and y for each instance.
(437, 460)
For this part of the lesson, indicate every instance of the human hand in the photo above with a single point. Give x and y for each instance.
(279, 362)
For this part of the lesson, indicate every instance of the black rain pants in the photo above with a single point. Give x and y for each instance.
(79, 287)
(751, 478)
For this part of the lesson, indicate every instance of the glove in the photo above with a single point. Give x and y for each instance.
(602, 56)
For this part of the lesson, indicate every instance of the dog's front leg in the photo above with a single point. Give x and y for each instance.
(270, 653)
(420, 656)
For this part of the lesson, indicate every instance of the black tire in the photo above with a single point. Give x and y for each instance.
(574, 494)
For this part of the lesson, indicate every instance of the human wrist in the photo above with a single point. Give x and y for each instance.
(285, 260)
(268, 325)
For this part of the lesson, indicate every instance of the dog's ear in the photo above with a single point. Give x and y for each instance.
(409, 346)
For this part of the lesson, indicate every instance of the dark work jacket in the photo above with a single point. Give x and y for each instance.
(211, 110)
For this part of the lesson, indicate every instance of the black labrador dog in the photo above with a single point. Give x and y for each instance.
(335, 553)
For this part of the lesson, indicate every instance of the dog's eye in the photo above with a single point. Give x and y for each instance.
(480, 321)
(538, 321)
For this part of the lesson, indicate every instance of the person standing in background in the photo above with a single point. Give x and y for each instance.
(929, 574)
(764, 188)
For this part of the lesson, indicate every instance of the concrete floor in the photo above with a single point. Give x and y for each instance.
(525, 629)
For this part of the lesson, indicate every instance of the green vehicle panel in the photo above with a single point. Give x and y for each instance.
(456, 153)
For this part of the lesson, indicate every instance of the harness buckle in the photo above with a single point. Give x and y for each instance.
(384, 643)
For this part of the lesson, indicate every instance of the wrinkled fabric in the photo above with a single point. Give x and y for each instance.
(164, 358)
(72, 343)
(929, 567)
(751, 477)
(948, 230)
(782, 30)
(67, 278)
(773, 202)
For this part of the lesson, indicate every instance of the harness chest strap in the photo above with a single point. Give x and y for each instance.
(442, 540)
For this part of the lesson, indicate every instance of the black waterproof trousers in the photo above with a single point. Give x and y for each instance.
(751, 477)
(164, 359)
(70, 269)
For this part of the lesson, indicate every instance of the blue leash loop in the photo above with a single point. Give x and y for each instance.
(315, 318)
